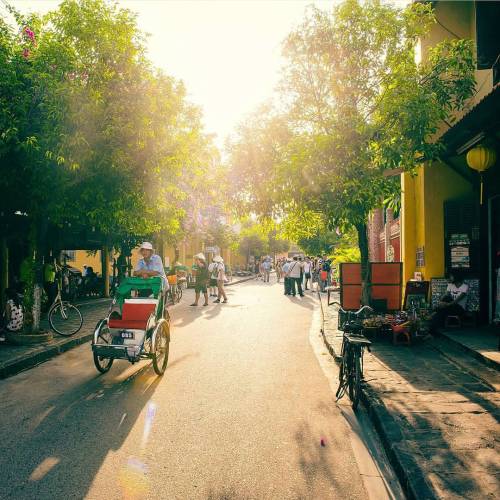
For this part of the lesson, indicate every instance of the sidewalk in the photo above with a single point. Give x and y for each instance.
(481, 343)
(14, 359)
(437, 419)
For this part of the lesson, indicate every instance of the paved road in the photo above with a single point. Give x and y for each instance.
(239, 414)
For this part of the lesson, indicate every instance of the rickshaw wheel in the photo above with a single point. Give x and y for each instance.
(161, 349)
(102, 364)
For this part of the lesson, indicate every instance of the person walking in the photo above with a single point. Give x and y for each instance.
(307, 273)
(212, 270)
(294, 273)
(285, 268)
(266, 269)
(324, 277)
(220, 269)
(202, 278)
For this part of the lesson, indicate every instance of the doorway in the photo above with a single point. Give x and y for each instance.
(494, 267)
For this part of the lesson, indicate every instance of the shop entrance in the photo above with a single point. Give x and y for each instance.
(494, 268)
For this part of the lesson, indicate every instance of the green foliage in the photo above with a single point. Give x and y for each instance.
(258, 239)
(97, 137)
(356, 105)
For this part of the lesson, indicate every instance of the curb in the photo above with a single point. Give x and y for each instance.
(26, 362)
(471, 352)
(240, 281)
(410, 476)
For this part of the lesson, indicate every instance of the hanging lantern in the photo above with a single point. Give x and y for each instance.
(480, 159)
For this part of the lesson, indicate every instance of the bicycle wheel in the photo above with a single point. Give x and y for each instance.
(355, 380)
(161, 349)
(103, 364)
(65, 319)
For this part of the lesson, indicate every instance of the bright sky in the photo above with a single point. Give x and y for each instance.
(226, 52)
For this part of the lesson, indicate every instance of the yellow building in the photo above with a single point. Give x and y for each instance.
(441, 202)
(186, 251)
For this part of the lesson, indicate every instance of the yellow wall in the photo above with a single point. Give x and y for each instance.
(83, 258)
(423, 216)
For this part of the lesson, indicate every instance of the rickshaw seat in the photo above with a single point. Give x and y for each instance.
(135, 314)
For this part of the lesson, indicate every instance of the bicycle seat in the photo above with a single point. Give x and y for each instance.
(358, 339)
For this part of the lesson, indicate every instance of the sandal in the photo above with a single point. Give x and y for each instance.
(193, 305)
(205, 304)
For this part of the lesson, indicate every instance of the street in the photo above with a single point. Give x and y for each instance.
(245, 410)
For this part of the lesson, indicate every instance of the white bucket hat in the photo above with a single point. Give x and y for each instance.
(147, 246)
(218, 259)
(199, 256)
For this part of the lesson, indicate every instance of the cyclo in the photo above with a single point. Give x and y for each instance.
(137, 326)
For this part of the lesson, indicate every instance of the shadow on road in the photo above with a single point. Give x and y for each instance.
(59, 454)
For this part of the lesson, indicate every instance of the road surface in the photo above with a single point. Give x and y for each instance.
(240, 413)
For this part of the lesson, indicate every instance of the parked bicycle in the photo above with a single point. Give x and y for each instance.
(174, 292)
(64, 317)
(353, 346)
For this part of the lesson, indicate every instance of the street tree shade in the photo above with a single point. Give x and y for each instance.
(91, 134)
(353, 104)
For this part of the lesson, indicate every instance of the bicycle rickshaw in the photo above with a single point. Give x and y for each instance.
(137, 326)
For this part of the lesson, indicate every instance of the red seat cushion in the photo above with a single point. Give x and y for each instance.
(132, 324)
(135, 314)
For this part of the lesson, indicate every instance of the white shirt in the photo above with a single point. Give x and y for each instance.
(294, 269)
(307, 266)
(455, 291)
(221, 271)
(211, 268)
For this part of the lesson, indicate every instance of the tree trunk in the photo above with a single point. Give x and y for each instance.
(365, 263)
(176, 254)
(41, 245)
(37, 307)
(4, 269)
(105, 269)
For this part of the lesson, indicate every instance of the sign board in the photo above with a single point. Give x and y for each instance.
(213, 249)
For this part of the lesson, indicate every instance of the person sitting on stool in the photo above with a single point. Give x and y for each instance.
(452, 303)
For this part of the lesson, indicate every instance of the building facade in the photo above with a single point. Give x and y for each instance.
(444, 226)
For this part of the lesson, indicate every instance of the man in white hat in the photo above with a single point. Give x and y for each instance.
(150, 265)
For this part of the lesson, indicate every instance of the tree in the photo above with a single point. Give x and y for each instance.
(96, 136)
(356, 105)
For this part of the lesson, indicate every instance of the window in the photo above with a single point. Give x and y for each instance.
(68, 255)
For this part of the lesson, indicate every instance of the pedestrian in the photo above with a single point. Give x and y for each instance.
(285, 268)
(279, 269)
(212, 269)
(266, 269)
(221, 279)
(257, 268)
(307, 273)
(202, 279)
(12, 319)
(294, 273)
(325, 274)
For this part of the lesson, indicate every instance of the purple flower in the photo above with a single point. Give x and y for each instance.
(30, 34)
